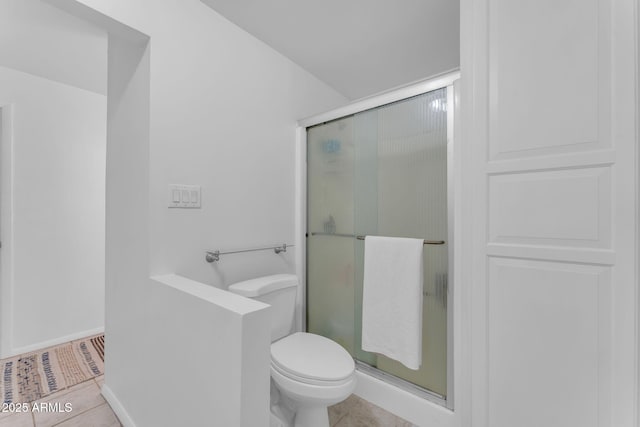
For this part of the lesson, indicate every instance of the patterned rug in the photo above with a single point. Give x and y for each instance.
(32, 376)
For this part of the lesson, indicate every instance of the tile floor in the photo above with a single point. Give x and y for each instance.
(357, 412)
(88, 408)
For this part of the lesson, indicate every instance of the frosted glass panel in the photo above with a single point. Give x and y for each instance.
(330, 265)
(380, 172)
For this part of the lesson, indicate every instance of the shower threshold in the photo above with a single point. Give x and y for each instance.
(402, 384)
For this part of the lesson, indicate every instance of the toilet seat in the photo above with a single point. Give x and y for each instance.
(312, 359)
(309, 381)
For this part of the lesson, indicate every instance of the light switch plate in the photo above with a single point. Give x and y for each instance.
(184, 196)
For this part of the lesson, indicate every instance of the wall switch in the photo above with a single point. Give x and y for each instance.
(184, 196)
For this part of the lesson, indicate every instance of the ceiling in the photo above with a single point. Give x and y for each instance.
(358, 47)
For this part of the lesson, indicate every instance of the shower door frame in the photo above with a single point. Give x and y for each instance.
(446, 80)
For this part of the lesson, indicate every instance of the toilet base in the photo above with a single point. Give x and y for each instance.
(312, 416)
(282, 411)
(287, 413)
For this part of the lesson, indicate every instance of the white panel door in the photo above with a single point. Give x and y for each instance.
(550, 124)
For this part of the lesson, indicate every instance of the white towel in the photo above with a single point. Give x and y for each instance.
(392, 298)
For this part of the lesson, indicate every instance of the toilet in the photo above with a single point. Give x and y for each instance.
(308, 372)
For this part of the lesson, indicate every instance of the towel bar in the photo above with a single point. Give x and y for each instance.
(212, 256)
(426, 242)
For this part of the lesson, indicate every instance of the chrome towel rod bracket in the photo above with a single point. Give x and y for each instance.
(212, 256)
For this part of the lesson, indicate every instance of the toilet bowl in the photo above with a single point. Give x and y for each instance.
(312, 372)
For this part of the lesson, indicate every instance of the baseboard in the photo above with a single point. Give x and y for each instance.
(55, 341)
(117, 407)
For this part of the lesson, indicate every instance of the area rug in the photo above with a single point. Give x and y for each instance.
(32, 376)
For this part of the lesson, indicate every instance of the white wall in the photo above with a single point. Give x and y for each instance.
(193, 360)
(55, 74)
(58, 211)
(223, 110)
(40, 39)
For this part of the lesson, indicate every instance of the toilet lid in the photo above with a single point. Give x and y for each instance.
(312, 356)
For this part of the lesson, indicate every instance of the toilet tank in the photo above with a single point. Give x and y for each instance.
(279, 291)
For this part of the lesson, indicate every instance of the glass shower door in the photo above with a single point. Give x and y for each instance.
(330, 221)
(380, 172)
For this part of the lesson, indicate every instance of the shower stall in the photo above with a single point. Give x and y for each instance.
(381, 170)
